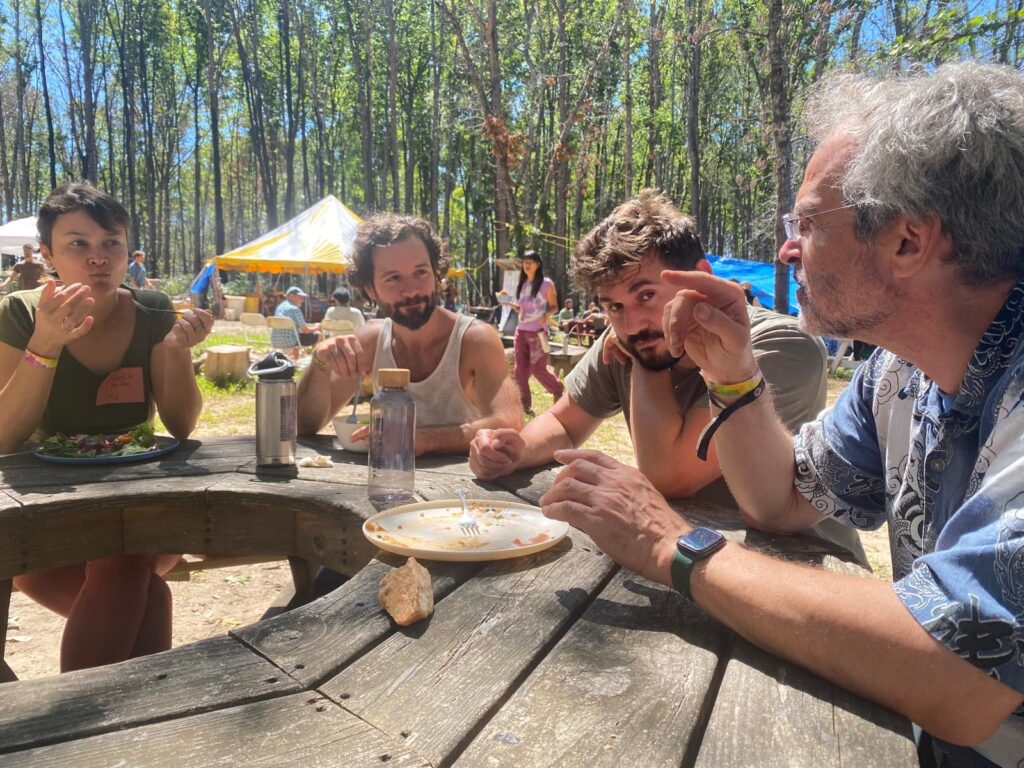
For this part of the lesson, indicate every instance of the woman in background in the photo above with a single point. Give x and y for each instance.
(536, 302)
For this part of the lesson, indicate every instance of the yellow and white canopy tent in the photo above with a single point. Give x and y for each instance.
(318, 240)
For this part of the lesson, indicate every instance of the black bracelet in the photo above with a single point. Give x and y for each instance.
(709, 431)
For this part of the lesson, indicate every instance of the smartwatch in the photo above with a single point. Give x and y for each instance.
(691, 548)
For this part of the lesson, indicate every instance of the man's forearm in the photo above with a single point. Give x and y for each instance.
(854, 631)
(657, 431)
(755, 453)
(314, 394)
(455, 438)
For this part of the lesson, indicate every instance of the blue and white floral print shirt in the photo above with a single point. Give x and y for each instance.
(947, 473)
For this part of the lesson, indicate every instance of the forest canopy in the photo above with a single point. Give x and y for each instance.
(507, 124)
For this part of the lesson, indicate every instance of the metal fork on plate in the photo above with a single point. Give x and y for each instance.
(467, 522)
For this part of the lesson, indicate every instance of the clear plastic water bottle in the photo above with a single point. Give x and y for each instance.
(392, 439)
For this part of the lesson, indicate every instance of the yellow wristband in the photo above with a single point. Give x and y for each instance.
(740, 388)
(38, 361)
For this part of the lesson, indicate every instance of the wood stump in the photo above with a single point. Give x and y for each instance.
(226, 360)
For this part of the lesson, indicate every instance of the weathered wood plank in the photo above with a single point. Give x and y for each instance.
(304, 730)
(187, 680)
(27, 475)
(48, 536)
(315, 641)
(434, 682)
(770, 713)
(626, 686)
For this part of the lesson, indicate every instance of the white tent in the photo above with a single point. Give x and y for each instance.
(15, 234)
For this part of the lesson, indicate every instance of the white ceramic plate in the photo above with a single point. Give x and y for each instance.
(429, 530)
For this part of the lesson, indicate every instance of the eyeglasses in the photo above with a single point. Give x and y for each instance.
(791, 222)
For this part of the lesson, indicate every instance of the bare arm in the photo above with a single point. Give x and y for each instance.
(339, 365)
(851, 630)
(24, 387)
(665, 441)
(174, 382)
(491, 389)
(708, 320)
(497, 452)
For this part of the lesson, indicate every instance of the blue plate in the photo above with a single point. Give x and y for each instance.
(163, 445)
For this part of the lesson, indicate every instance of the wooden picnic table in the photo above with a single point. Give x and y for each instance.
(556, 659)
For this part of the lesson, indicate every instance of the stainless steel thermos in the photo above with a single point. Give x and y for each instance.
(276, 406)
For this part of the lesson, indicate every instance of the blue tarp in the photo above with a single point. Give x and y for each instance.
(202, 280)
(759, 274)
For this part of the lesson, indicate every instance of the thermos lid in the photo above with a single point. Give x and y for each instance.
(393, 377)
(273, 367)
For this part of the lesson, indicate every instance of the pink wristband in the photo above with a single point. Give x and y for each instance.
(38, 361)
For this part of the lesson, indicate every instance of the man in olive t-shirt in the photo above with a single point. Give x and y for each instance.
(629, 368)
(28, 272)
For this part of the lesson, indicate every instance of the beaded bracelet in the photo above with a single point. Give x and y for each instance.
(39, 361)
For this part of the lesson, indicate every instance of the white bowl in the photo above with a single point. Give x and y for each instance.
(344, 429)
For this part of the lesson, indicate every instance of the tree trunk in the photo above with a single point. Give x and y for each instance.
(778, 85)
(695, 13)
(50, 142)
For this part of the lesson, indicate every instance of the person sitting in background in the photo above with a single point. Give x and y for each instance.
(29, 272)
(92, 356)
(342, 309)
(291, 307)
(566, 316)
(137, 272)
(456, 363)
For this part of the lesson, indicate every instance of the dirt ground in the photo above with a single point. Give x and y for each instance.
(214, 601)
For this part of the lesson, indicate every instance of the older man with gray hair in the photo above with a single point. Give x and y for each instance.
(908, 232)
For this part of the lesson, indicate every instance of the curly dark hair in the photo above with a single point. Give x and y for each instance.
(387, 229)
(647, 224)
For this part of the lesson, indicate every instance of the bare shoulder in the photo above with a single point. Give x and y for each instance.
(368, 332)
(480, 337)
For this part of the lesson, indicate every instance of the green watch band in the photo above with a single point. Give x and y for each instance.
(682, 567)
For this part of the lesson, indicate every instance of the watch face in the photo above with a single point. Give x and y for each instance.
(701, 541)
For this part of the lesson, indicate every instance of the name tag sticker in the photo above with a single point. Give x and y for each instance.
(121, 386)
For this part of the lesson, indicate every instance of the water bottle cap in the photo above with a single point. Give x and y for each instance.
(393, 377)
(273, 367)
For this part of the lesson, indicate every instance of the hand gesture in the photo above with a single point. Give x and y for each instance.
(344, 355)
(61, 317)
(613, 350)
(708, 321)
(495, 452)
(190, 328)
(618, 508)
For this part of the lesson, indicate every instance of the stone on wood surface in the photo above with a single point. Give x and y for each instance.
(406, 593)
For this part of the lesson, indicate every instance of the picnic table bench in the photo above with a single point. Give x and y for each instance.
(557, 659)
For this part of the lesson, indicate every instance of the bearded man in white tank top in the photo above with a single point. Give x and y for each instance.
(457, 364)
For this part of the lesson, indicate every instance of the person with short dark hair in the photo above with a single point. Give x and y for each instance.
(94, 356)
(28, 272)
(457, 364)
(343, 309)
(137, 272)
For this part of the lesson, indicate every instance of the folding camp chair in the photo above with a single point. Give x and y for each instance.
(336, 327)
(255, 323)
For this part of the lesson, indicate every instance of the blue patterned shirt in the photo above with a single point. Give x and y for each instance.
(947, 473)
